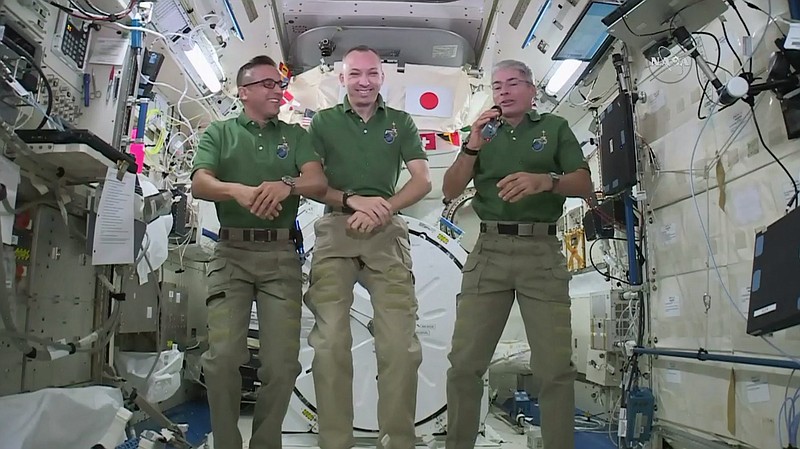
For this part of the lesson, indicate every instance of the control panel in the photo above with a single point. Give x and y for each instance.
(71, 41)
(30, 16)
(66, 102)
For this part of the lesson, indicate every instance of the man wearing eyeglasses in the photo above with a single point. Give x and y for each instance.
(363, 142)
(254, 168)
(522, 175)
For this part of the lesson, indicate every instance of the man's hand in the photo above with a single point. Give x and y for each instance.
(244, 195)
(361, 222)
(268, 197)
(376, 208)
(475, 139)
(516, 186)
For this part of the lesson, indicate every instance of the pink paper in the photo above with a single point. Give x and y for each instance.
(137, 150)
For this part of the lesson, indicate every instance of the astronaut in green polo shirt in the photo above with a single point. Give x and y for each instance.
(363, 143)
(522, 176)
(254, 167)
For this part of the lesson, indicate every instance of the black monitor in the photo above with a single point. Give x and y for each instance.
(617, 146)
(775, 286)
(588, 38)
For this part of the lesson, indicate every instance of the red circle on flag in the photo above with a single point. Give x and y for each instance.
(429, 100)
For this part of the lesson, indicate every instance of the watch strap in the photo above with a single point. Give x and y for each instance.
(345, 196)
(555, 178)
(467, 151)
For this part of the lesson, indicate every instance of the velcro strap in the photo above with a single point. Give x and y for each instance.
(254, 235)
(520, 229)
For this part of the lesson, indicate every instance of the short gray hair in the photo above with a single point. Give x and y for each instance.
(523, 68)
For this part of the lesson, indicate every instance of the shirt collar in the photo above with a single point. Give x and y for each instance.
(348, 107)
(533, 115)
(244, 120)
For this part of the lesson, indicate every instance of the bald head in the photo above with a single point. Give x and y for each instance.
(362, 74)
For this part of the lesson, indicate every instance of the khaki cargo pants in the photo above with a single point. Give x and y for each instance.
(381, 262)
(534, 268)
(271, 274)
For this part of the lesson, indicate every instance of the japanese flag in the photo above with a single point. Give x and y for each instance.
(429, 101)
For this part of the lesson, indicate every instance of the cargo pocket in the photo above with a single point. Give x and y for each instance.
(558, 265)
(218, 278)
(471, 274)
(404, 251)
(405, 267)
(557, 286)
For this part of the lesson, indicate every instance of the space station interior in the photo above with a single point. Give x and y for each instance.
(684, 263)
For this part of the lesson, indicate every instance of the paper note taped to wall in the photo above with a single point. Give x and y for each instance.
(656, 100)
(673, 376)
(113, 229)
(672, 306)
(757, 390)
(744, 298)
(669, 233)
(747, 205)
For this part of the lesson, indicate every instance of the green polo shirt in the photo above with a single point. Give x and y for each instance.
(365, 157)
(541, 143)
(238, 150)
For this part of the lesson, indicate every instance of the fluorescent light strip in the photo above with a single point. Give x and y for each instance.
(563, 73)
(203, 68)
(236, 27)
(532, 33)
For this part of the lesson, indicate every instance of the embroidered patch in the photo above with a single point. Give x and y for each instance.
(389, 135)
(539, 143)
(283, 150)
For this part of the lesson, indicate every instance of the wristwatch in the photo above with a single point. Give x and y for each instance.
(345, 196)
(555, 177)
(467, 151)
(289, 181)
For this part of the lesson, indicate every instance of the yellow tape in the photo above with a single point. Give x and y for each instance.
(575, 244)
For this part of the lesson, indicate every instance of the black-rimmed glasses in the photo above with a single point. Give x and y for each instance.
(269, 83)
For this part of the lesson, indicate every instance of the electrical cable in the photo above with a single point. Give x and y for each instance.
(774, 20)
(608, 275)
(7, 296)
(785, 412)
(728, 41)
(88, 16)
(706, 236)
(24, 54)
(716, 65)
(625, 22)
(747, 30)
(783, 167)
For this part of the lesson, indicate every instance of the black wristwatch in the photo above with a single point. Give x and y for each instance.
(467, 151)
(345, 196)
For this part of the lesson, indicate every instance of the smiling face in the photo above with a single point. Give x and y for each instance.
(261, 92)
(512, 92)
(362, 75)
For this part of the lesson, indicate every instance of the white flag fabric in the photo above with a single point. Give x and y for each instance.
(429, 101)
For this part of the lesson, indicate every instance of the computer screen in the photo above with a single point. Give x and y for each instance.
(588, 36)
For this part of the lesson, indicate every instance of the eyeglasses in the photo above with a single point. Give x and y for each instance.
(268, 83)
(512, 83)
